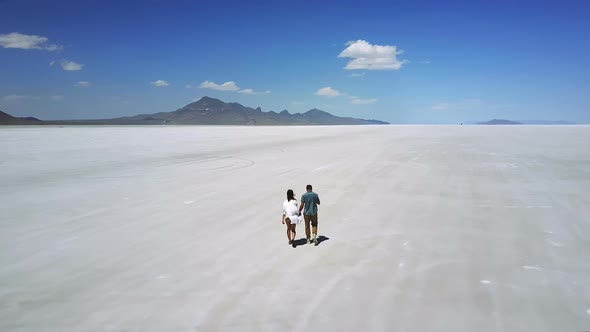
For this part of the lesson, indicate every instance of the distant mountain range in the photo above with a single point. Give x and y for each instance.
(499, 122)
(525, 122)
(547, 122)
(8, 119)
(211, 111)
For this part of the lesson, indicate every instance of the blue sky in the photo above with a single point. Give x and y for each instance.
(402, 62)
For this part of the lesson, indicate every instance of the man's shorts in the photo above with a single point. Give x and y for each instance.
(313, 218)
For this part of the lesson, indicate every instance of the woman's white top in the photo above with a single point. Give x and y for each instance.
(291, 211)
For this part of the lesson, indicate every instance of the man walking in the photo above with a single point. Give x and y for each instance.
(309, 205)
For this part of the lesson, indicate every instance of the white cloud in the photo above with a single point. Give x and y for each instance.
(371, 57)
(14, 97)
(227, 86)
(160, 83)
(440, 106)
(359, 101)
(57, 98)
(82, 84)
(27, 42)
(329, 92)
(54, 47)
(68, 65)
(252, 92)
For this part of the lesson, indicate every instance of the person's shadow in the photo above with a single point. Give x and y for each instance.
(322, 238)
(303, 241)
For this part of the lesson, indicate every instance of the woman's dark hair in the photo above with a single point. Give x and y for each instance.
(290, 195)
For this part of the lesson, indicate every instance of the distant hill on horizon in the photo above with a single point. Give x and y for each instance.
(211, 111)
(547, 122)
(499, 122)
(8, 119)
(526, 122)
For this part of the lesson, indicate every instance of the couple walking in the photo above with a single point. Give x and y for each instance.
(292, 214)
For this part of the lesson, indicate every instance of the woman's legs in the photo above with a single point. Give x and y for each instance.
(288, 223)
(292, 227)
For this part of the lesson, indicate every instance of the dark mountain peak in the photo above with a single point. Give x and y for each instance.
(206, 102)
(316, 112)
(284, 112)
(207, 99)
(258, 109)
(6, 116)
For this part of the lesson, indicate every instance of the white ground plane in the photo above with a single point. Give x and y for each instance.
(424, 228)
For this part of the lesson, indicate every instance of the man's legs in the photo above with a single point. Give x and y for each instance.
(307, 221)
(314, 225)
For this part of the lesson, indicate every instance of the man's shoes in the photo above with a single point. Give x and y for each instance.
(290, 241)
(308, 242)
(293, 244)
(315, 240)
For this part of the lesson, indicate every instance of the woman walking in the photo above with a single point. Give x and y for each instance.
(291, 216)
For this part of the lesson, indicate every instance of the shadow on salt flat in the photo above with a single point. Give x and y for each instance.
(303, 241)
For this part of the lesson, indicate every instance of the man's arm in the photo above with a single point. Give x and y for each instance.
(318, 199)
(300, 207)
